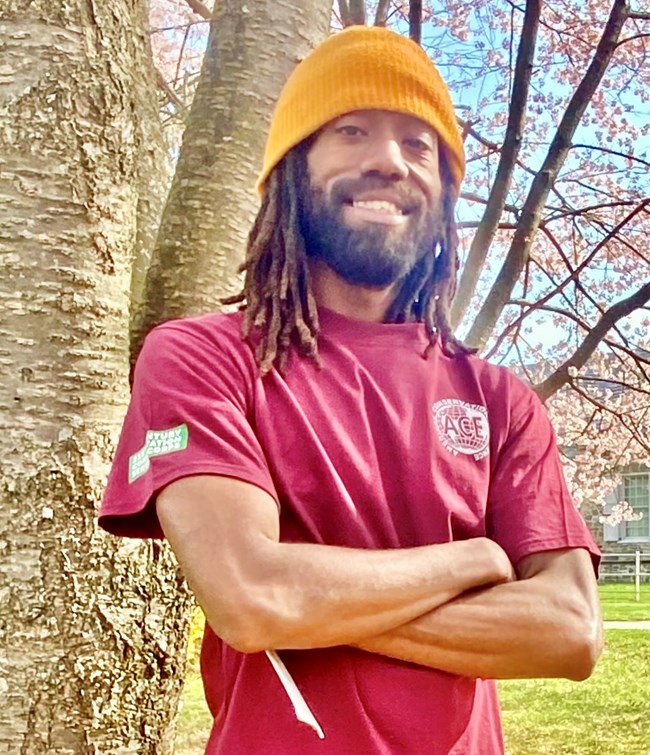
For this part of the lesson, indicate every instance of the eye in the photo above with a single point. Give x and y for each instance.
(350, 129)
(417, 144)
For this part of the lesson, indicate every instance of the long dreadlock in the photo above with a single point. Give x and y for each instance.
(277, 293)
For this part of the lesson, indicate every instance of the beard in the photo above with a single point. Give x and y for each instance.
(374, 254)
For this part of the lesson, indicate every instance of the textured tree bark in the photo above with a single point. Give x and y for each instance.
(253, 46)
(91, 628)
(154, 172)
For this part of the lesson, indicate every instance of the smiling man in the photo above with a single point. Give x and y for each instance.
(344, 484)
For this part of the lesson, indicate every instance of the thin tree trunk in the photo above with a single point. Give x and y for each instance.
(253, 46)
(89, 663)
(531, 213)
(415, 21)
(153, 178)
(489, 224)
(381, 14)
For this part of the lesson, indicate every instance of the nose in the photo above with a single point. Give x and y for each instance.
(383, 157)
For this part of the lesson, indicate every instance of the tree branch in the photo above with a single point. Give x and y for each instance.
(611, 152)
(470, 197)
(610, 381)
(381, 16)
(630, 427)
(632, 38)
(574, 275)
(519, 251)
(415, 21)
(344, 12)
(171, 94)
(464, 224)
(512, 143)
(580, 356)
(357, 12)
(200, 9)
(180, 55)
(468, 129)
(563, 213)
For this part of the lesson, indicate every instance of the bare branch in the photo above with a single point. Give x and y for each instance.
(566, 212)
(469, 130)
(475, 224)
(574, 275)
(640, 16)
(381, 16)
(519, 251)
(180, 55)
(470, 197)
(176, 27)
(344, 12)
(357, 12)
(620, 416)
(171, 94)
(415, 21)
(200, 9)
(641, 362)
(611, 152)
(496, 202)
(607, 381)
(580, 356)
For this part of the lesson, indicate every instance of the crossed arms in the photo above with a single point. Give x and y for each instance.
(458, 607)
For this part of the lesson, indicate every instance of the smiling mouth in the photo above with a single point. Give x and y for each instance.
(378, 205)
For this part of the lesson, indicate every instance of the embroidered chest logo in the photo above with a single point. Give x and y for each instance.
(157, 443)
(462, 427)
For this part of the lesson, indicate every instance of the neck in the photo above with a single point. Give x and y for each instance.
(356, 302)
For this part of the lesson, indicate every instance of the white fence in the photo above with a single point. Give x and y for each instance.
(626, 567)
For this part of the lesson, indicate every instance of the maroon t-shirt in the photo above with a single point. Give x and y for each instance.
(379, 448)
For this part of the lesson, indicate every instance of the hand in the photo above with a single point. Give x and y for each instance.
(500, 564)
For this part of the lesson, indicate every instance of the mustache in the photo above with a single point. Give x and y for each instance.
(345, 189)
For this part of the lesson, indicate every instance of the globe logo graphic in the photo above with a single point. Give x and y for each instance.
(462, 427)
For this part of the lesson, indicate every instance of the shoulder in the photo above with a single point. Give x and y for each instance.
(199, 345)
(496, 382)
(206, 334)
(213, 330)
(510, 401)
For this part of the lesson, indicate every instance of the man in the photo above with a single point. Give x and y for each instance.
(340, 479)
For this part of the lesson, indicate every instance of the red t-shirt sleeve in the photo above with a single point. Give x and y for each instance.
(189, 414)
(530, 508)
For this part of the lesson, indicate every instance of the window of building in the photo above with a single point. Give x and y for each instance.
(636, 491)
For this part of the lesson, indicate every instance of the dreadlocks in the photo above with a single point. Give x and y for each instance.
(277, 293)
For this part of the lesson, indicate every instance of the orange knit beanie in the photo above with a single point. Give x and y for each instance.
(362, 67)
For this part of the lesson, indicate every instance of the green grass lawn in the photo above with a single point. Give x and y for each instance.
(619, 603)
(606, 715)
(194, 721)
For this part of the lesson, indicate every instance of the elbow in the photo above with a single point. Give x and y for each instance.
(585, 650)
(243, 633)
(246, 641)
(250, 625)
(243, 628)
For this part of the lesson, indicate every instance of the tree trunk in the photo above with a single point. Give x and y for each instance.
(91, 628)
(154, 175)
(253, 45)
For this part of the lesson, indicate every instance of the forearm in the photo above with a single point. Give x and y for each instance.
(528, 628)
(316, 595)
(260, 593)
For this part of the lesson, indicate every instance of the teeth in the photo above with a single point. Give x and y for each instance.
(377, 204)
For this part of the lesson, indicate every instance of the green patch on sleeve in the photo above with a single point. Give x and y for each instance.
(157, 443)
